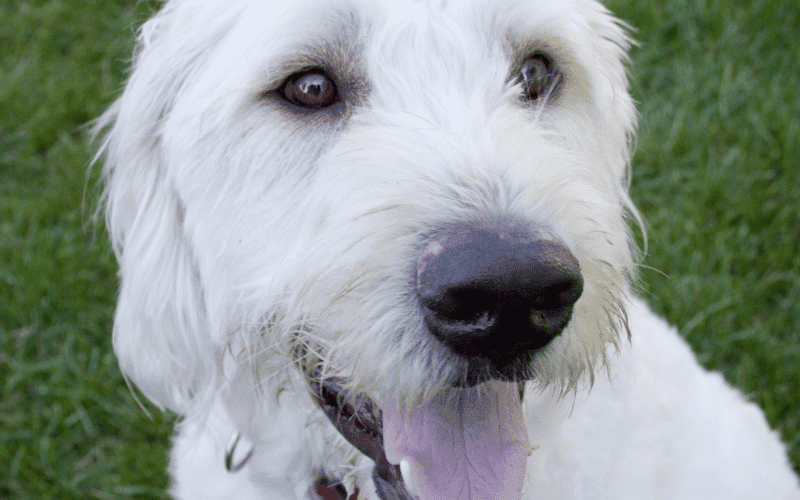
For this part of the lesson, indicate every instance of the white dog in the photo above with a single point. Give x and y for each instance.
(379, 250)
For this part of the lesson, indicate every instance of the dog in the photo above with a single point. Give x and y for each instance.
(382, 250)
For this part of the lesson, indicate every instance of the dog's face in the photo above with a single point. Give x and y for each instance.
(403, 196)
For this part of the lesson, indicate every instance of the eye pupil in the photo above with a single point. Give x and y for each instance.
(535, 76)
(313, 86)
(311, 89)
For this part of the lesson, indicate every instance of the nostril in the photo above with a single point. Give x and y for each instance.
(459, 304)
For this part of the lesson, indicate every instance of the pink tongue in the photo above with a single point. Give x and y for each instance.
(465, 444)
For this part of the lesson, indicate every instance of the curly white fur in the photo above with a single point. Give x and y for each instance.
(248, 232)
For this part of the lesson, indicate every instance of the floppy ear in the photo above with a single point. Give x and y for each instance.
(161, 332)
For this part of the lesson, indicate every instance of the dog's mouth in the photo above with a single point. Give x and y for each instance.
(464, 444)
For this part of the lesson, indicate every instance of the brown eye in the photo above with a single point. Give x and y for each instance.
(536, 76)
(310, 89)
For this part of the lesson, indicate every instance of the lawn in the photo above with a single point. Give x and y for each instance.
(715, 175)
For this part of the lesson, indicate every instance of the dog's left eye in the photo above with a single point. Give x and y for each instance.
(310, 89)
(536, 76)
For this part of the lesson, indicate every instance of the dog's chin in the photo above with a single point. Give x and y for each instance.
(360, 420)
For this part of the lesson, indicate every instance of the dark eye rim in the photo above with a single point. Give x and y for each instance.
(552, 79)
(290, 94)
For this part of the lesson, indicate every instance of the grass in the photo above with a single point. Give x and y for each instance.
(715, 176)
(69, 427)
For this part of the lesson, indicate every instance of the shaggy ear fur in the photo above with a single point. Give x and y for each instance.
(160, 330)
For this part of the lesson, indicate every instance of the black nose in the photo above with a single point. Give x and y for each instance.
(487, 294)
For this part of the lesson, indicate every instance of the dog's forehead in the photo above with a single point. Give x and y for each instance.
(307, 16)
(283, 32)
(429, 44)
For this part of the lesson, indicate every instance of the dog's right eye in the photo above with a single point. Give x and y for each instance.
(537, 76)
(310, 89)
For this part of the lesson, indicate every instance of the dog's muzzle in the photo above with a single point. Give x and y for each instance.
(496, 297)
(493, 298)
